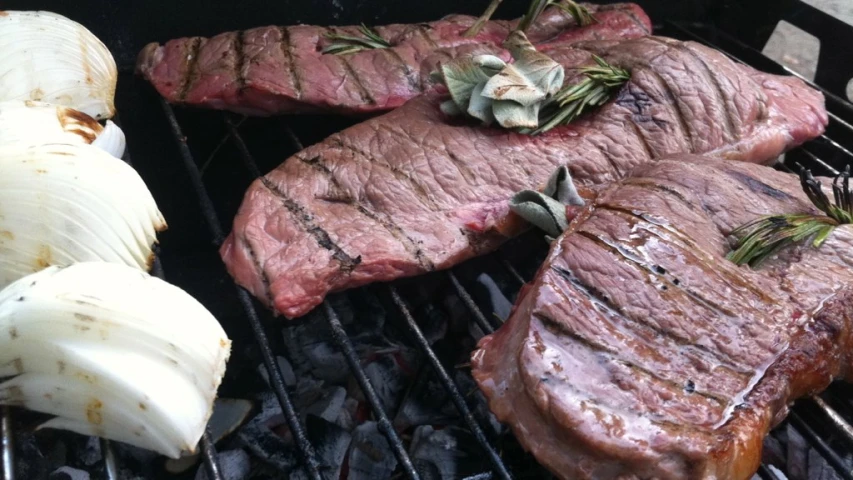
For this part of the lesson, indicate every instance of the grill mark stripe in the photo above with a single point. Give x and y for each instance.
(287, 49)
(692, 249)
(401, 236)
(712, 78)
(387, 222)
(676, 107)
(593, 294)
(240, 51)
(463, 167)
(399, 174)
(362, 90)
(554, 325)
(305, 220)
(607, 157)
(424, 32)
(643, 141)
(694, 296)
(650, 185)
(414, 80)
(630, 13)
(190, 72)
(257, 263)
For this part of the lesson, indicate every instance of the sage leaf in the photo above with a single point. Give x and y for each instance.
(511, 114)
(531, 79)
(547, 209)
(460, 77)
(480, 107)
(490, 64)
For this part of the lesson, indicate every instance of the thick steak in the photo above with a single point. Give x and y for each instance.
(639, 351)
(272, 70)
(413, 191)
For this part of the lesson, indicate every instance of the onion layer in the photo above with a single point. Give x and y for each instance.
(28, 123)
(61, 204)
(47, 57)
(112, 352)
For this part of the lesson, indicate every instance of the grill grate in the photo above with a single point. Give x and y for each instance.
(826, 155)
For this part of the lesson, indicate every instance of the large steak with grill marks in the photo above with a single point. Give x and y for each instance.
(271, 70)
(413, 191)
(640, 351)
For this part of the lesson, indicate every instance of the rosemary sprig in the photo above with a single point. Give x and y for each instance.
(481, 21)
(346, 44)
(579, 13)
(764, 236)
(594, 90)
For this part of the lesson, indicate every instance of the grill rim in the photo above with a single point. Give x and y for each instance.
(840, 109)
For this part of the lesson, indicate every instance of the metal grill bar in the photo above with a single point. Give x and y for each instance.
(488, 327)
(208, 455)
(8, 460)
(110, 462)
(450, 386)
(306, 450)
(339, 335)
(766, 473)
(835, 417)
(820, 445)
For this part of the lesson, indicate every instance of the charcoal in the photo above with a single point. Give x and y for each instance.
(370, 455)
(443, 454)
(432, 321)
(777, 472)
(234, 464)
(331, 443)
(819, 469)
(798, 451)
(425, 403)
(388, 380)
(31, 462)
(469, 389)
(91, 453)
(68, 473)
(773, 452)
(500, 305)
(257, 437)
(371, 314)
(327, 362)
(330, 405)
(286, 371)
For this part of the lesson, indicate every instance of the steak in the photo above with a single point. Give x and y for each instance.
(640, 351)
(414, 191)
(272, 70)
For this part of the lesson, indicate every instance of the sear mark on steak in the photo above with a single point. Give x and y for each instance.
(283, 70)
(621, 403)
(347, 263)
(758, 186)
(434, 192)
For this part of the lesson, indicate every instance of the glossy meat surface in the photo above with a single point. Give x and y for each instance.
(639, 351)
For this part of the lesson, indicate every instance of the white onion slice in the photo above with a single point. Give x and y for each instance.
(61, 204)
(29, 123)
(112, 352)
(111, 140)
(47, 57)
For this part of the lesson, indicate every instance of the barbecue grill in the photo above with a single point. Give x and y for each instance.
(198, 164)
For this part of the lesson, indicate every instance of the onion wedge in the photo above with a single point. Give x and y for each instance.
(113, 352)
(47, 57)
(61, 204)
(29, 123)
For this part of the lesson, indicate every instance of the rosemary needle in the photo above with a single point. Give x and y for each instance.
(346, 44)
(764, 236)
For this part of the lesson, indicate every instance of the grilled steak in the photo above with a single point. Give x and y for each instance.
(640, 351)
(272, 70)
(413, 191)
